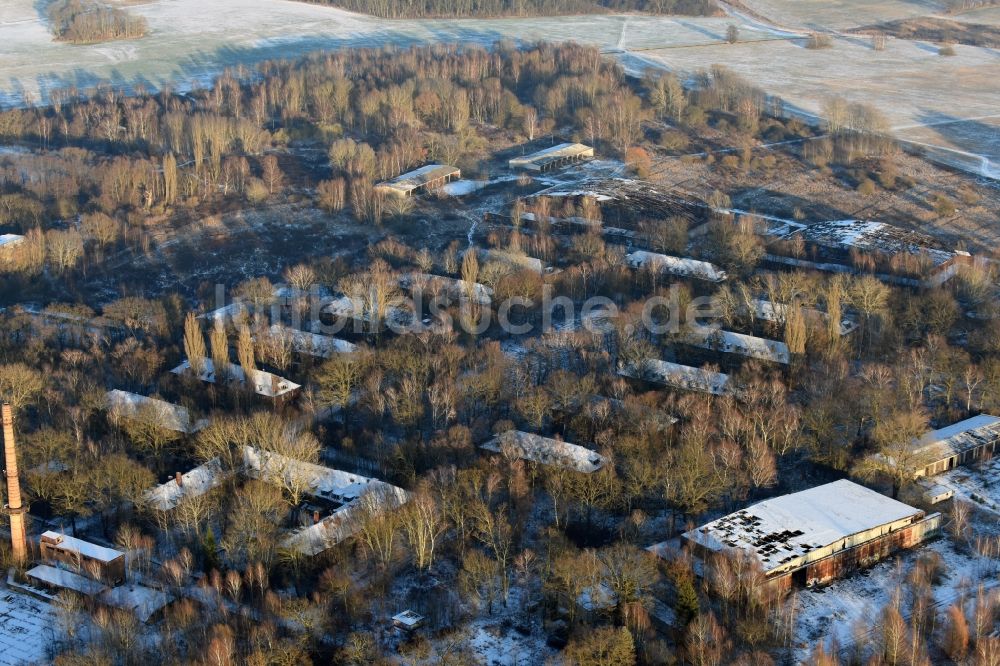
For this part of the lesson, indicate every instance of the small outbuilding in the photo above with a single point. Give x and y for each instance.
(408, 621)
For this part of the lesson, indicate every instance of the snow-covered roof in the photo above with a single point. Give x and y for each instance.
(412, 180)
(9, 240)
(198, 481)
(143, 601)
(547, 451)
(871, 236)
(597, 598)
(408, 618)
(225, 312)
(453, 287)
(324, 482)
(556, 153)
(313, 344)
(345, 306)
(66, 580)
(167, 415)
(85, 549)
(957, 438)
(265, 383)
(783, 531)
(678, 376)
(776, 312)
(514, 259)
(739, 343)
(27, 626)
(683, 267)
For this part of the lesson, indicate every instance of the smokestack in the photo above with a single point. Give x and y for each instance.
(179, 478)
(315, 517)
(18, 534)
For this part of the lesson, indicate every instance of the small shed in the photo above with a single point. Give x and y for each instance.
(408, 621)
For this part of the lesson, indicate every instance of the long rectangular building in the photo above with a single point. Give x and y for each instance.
(679, 266)
(421, 180)
(816, 535)
(546, 451)
(960, 443)
(731, 342)
(678, 376)
(552, 158)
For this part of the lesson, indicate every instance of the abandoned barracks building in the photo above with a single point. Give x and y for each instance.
(552, 158)
(421, 180)
(960, 443)
(816, 535)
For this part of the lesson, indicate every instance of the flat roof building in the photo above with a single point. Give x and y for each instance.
(263, 383)
(421, 180)
(353, 495)
(960, 443)
(777, 312)
(677, 376)
(546, 451)
(123, 404)
(313, 344)
(738, 343)
(681, 267)
(552, 158)
(195, 483)
(816, 535)
(98, 562)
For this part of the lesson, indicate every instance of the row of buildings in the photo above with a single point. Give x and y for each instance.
(434, 176)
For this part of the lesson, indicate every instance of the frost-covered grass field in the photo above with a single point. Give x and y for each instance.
(949, 104)
(191, 40)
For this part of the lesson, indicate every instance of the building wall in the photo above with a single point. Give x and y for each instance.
(112, 573)
(973, 455)
(868, 553)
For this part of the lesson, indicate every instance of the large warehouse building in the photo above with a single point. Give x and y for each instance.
(958, 444)
(814, 536)
(552, 158)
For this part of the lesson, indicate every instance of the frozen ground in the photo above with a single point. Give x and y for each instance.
(191, 40)
(949, 104)
(977, 485)
(846, 611)
(840, 14)
(27, 628)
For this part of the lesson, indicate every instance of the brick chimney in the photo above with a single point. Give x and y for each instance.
(315, 517)
(179, 478)
(18, 534)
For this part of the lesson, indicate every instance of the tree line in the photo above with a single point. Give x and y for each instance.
(394, 9)
(90, 21)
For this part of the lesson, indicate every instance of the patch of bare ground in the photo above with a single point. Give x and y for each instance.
(946, 204)
(941, 30)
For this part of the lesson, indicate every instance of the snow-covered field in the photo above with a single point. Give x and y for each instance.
(846, 611)
(191, 40)
(948, 103)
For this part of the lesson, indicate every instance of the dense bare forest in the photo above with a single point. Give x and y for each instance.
(90, 21)
(486, 8)
(490, 544)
